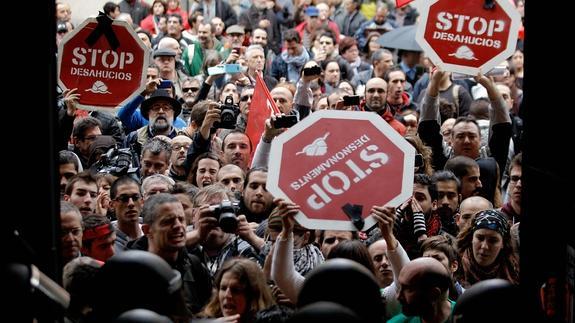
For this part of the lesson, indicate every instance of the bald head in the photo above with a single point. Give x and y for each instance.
(283, 98)
(468, 208)
(424, 273)
(375, 94)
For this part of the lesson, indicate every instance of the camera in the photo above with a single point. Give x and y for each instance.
(229, 113)
(117, 162)
(314, 70)
(350, 100)
(284, 121)
(61, 28)
(226, 213)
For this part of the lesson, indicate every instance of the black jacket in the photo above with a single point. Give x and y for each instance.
(196, 279)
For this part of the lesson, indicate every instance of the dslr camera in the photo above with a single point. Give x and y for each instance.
(229, 113)
(226, 213)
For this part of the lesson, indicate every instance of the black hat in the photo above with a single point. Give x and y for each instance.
(147, 282)
(489, 301)
(164, 52)
(362, 295)
(160, 94)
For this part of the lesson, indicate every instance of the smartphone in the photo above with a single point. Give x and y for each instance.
(350, 100)
(314, 70)
(284, 121)
(165, 84)
(239, 50)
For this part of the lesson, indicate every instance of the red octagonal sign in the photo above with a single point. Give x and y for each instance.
(464, 37)
(333, 158)
(105, 78)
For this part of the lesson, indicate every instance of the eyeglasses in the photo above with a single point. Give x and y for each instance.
(164, 107)
(515, 178)
(246, 97)
(177, 147)
(188, 89)
(126, 198)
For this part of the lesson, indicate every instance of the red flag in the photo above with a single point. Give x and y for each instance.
(261, 108)
(401, 3)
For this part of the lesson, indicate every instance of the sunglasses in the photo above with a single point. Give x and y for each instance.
(188, 89)
(126, 198)
(246, 97)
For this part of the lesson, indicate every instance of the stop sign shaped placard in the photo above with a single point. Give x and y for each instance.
(462, 36)
(336, 158)
(105, 77)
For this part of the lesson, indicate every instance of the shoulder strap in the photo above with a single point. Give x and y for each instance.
(191, 52)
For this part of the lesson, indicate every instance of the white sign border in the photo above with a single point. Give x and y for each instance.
(131, 30)
(276, 157)
(511, 40)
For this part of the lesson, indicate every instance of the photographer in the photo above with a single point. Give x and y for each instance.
(302, 102)
(202, 136)
(209, 240)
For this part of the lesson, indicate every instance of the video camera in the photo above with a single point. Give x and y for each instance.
(228, 115)
(226, 213)
(117, 162)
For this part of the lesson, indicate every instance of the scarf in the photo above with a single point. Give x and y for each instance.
(306, 258)
(473, 273)
(508, 210)
(355, 65)
(294, 64)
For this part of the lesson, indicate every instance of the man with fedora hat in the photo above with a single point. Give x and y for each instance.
(160, 109)
(130, 114)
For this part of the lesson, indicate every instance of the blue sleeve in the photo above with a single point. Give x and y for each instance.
(131, 116)
(179, 123)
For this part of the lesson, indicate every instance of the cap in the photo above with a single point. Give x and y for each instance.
(164, 52)
(235, 29)
(312, 11)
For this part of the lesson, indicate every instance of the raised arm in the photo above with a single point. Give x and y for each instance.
(283, 270)
(499, 123)
(262, 154)
(430, 121)
(385, 217)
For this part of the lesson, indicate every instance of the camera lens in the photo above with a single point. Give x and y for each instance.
(228, 222)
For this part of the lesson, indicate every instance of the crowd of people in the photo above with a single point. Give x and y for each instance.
(164, 200)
